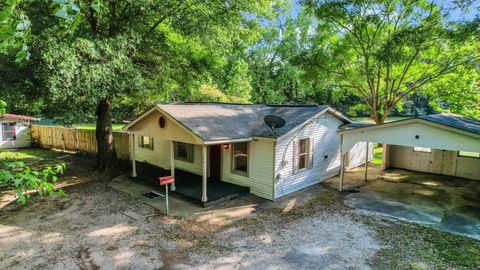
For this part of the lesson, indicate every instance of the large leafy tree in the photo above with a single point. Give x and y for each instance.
(276, 77)
(386, 50)
(88, 58)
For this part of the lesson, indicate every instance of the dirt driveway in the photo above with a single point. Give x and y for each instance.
(89, 229)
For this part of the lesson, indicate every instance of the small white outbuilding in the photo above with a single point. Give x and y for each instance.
(15, 130)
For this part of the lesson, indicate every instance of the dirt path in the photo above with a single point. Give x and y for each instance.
(321, 242)
(89, 230)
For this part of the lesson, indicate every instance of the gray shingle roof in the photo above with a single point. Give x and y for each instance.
(220, 121)
(447, 119)
(455, 120)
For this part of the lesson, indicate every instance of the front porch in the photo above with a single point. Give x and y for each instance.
(189, 185)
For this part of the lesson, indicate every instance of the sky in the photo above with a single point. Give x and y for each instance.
(454, 14)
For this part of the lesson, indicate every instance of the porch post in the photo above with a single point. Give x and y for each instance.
(132, 154)
(342, 165)
(172, 164)
(366, 162)
(204, 173)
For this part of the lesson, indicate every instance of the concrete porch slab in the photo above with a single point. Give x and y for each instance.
(225, 212)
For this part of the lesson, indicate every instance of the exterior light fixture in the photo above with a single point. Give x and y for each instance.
(226, 146)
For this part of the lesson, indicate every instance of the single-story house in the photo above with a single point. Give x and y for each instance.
(15, 130)
(231, 145)
(445, 143)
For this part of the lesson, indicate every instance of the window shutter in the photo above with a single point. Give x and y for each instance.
(140, 140)
(311, 152)
(151, 143)
(190, 153)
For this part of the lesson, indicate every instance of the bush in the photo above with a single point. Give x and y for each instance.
(22, 178)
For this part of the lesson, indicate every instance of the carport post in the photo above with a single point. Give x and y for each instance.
(342, 165)
(132, 154)
(172, 164)
(342, 172)
(204, 173)
(366, 162)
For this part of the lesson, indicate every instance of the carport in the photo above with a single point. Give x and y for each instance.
(445, 144)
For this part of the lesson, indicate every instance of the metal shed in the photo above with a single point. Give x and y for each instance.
(446, 144)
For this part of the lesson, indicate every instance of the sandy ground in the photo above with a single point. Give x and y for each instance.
(326, 241)
(88, 229)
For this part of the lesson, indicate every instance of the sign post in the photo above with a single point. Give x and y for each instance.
(165, 181)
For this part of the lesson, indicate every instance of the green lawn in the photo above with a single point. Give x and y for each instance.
(377, 154)
(28, 155)
(92, 126)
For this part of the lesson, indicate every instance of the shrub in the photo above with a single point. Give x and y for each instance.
(22, 178)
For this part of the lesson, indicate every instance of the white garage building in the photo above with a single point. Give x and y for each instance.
(446, 144)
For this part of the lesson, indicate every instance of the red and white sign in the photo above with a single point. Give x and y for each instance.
(166, 180)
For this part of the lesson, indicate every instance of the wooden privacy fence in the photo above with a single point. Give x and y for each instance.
(81, 140)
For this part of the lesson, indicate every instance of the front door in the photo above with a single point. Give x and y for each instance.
(215, 161)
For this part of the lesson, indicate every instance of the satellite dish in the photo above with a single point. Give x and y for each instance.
(273, 122)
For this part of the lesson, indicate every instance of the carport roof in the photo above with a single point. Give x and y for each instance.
(447, 119)
(455, 120)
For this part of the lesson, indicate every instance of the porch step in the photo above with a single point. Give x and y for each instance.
(225, 198)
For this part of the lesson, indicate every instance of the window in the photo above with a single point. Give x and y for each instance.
(145, 142)
(8, 131)
(184, 151)
(303, 153)
(469, 154)
(422, 149)
(240, 158)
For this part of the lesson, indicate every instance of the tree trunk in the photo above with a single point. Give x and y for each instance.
(106, 157)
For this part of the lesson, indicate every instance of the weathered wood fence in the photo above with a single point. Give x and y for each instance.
(81, 140)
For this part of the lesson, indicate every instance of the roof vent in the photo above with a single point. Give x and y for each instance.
(273, 122)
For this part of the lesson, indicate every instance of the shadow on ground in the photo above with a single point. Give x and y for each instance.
(447, 203)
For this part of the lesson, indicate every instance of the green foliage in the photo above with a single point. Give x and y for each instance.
(78, 74)
(384, 51)
(23, 179)
(213, 94)
(3, 107)
(63, 57)
(14, 30)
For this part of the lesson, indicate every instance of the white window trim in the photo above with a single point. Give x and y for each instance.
(14, 124)
(142, 145)
(233, 169)
(309, 155)
(422, 149)
(466, 156)
(190, 153)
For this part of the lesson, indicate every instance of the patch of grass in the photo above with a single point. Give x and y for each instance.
(418, 247)
(92, 126)
(377, 155)
(27, 155)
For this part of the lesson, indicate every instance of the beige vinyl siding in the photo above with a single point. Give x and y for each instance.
(322, 131)
(160, 156)
(260, 171)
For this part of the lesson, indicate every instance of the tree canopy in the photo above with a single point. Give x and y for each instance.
(384, 51)
(84, 60)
